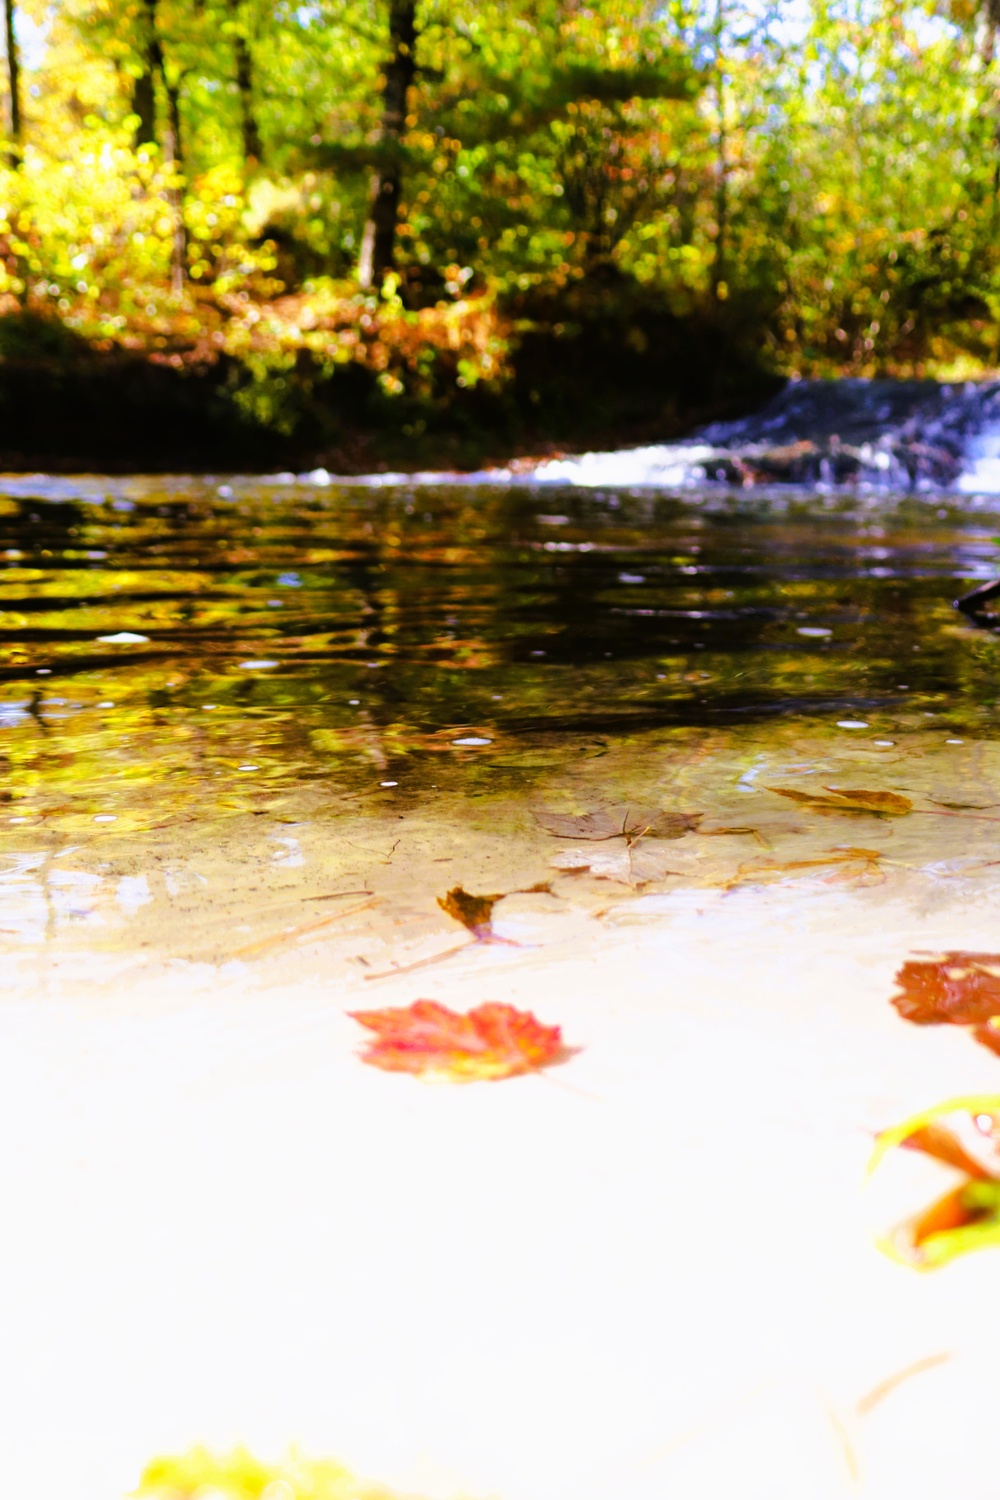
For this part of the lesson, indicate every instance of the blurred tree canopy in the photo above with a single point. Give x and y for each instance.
(411, 186)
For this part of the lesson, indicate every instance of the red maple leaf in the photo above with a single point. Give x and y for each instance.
(491, 1041)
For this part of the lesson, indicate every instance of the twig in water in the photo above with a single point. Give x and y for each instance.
(296, 932)
(423, 963)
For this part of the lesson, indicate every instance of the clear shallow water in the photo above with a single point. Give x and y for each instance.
(201, 677)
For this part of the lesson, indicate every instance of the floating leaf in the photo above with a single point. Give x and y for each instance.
(958, 989)
(492, 1041)
(843, 800)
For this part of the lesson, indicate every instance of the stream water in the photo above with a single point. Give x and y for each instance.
(225, 692)
(252, 733)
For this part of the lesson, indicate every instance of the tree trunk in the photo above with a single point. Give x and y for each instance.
(13, 85)
(378, 245)
(144, 87)
(173, 148)
(173, 151)
(144, 106)
(252, 149)
(722, 165)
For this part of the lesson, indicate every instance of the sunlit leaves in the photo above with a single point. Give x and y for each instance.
(540, 144)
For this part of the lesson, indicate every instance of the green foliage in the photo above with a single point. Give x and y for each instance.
(824, 191)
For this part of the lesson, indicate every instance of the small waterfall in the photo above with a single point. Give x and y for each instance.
(982, 474)
(822, 435)
(817, 435)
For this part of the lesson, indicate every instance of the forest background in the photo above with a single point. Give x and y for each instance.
(368, 232)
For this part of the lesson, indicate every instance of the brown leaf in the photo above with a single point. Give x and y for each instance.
(622, 821)
(603, 823)
(876, 802)
(489, 1042)
(869, 858)
(661, 825)
(963, 806)
(842, 800)
(960, 989)
(474, 912)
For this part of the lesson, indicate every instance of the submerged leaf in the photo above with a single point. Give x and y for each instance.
(623, 821)
(876, 802)
(662, 825)
(492, 1041)
(604, 823)
(474, 912)
(868, 859)
(843, 800)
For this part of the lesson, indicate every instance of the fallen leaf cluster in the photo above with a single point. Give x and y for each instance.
(489, 1042)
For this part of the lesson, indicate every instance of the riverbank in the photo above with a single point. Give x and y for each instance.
(606, 364)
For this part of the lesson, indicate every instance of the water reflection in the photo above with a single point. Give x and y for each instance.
(175, 653)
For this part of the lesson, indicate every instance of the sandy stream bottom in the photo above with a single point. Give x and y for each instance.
(650, 1272)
